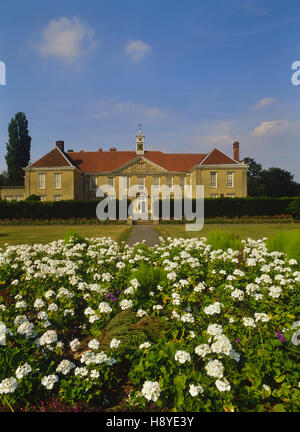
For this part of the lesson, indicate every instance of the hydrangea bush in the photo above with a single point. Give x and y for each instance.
(180, 326)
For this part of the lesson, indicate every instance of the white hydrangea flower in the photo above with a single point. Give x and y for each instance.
(195, 390)
(65, 367)
(94, 374)
(188, 317)
(94, 344)
(115, 343)
(215, 368)
(182, 356)
(261, 317)
(126, 304)
(221, 345)
(48, 294)
(49, 381)
(249, 322)
(8, 385)
(21, 304)
(237, 294)
(202, 350)
(23, 370)
(223, 385)
(104, 308)
(151, 390)
(140, 313)
(48, 337)
(27, 329)
(39, 303)
(74, 344)
(215, 308)
(52, 307)
(214, 329)
(145, 345)
(129, 290)
(82, 371)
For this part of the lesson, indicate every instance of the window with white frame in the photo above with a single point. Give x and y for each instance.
(125, 182)
(19, 197)
(57, 181)
(182, 181)
(43, 197)
(230, 179)
(156, 182)
(213, 179)
(57, 197)
(141, 182)
(42, 181)
(110, 182)
(169, 181)
(8, 197)
(214, 195)
(93, 183)
(230, 195)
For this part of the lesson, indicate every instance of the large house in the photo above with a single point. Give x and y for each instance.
(76, 175)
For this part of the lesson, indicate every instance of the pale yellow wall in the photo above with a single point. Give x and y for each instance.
(67, 184)
(12, 193)
(77, 186)
(239, 189)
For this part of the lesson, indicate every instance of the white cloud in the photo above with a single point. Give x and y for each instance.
(67, 39)
(275, 127)
(263, 103)
(113, 107)
(137, 50)
(215, 139)
(253, 8)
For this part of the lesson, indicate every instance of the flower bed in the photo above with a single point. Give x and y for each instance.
(93, 325)
(95, 221)
(72, 221)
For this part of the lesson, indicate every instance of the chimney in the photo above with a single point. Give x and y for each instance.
(236, 151)
(60, 145)
(70, 151)
(113, 149)
(100, 149)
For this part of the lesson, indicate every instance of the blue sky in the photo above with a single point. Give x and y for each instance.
(197, 75)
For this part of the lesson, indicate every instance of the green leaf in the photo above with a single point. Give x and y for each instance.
(278, 408)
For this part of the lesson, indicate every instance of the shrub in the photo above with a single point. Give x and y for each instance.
(73, 236)
(287, 242)
(294, 209)
(229, 207)
(149, 277)
(33, 197)
(224, 240)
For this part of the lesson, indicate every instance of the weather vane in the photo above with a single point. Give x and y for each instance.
(140, 127)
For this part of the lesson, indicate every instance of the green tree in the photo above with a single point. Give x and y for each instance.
(4, 179)
(254, 180)
(254, 168)
(18, 149)
(279, 182)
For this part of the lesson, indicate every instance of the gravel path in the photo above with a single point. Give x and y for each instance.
(143, 232)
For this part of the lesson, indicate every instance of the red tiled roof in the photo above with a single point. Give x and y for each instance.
(100, 161)
(216, 157)
(52, 159)
(109, 161)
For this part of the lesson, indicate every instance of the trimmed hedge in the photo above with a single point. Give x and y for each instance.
(48, 209)
(238, 207)
(220, 207)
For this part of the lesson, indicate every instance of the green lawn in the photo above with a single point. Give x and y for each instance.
(255, 231)
(20, 234)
